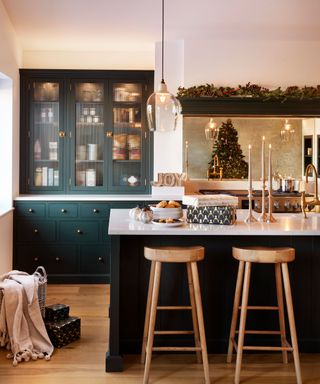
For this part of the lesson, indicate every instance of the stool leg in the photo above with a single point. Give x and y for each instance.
(194, 313)
(147, 316)
(197, 293)
(294, 340)
(235, 310)
(281, 311)
(243, 318)
(153, 313)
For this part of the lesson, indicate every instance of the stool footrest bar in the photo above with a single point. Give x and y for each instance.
(256, 348)
(172, 308)
(173, 332)
(261, 308)
(176, 349)
(261, 332)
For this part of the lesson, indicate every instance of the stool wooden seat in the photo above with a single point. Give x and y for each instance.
(279, 257)
(190, 256)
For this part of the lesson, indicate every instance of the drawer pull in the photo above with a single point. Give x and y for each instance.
(100, 259)
(30, 210)
(36, 258)
(63, 210)
(57, 258)
(95, 210)
(36, 230)
(79, 231)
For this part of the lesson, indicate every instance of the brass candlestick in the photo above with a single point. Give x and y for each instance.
(187, 160)
(215, 170)
(263, 217)
(270, 218)
(250, 218)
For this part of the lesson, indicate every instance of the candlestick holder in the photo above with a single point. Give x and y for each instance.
(263, 217)
(270, 218)
(250, 218)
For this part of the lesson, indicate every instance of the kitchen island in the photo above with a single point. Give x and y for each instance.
(130, 275)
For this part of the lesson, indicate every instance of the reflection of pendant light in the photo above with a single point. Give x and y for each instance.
(163, 108)
(286, 132)
(211, 130)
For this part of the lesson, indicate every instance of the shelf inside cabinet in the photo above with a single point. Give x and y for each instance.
(127, 161)
(45, 161)
(89, 161)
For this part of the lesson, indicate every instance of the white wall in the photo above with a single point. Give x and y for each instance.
(10, 60)
(267, 63)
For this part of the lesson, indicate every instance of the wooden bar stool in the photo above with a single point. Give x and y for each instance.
(280, 257)
(190, 256)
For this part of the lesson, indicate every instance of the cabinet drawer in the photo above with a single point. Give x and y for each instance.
(36, 230)
(79, 231)
(54, 258)
(95, 259)
(30, 209)
(63, 210)
(94, 210)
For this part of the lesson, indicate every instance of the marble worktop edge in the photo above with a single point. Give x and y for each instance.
(97, 197)
(288, 224)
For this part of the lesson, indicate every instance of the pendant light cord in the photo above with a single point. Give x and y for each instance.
(162, 43)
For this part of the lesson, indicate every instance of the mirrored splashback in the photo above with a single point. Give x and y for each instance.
(286, 153)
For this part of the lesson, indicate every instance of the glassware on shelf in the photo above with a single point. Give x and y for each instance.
(37, 150)
(89, 119)
(53, 150)
(90, 177)
(92, 111)
(81, 152)
(81, 178)
(85, 111)
(38, 177)
(92, 152)
(50, 115)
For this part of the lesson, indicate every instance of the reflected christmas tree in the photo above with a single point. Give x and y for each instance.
(229, 153)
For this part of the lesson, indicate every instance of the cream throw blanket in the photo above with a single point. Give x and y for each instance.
(22, 329)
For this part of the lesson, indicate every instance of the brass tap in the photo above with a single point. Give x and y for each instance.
(316, 200)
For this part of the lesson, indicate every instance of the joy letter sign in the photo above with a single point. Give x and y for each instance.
(169, 180)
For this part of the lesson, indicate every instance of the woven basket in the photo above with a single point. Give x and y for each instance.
(42, 289)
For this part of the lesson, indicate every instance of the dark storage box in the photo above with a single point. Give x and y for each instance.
(64, 331)
(211, 215)
(56, 312)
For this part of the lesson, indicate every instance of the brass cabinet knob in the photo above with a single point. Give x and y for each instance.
(62, 134)
(36, 259)
(95, 210)
(57, 258)
(36, 230)
(63, 210)
(109, 133)
(79, 231)
(100, 258)
(30, 210)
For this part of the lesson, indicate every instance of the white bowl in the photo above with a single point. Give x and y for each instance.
(165, 213)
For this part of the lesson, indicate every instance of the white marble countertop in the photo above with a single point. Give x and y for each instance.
(154, 197)
(288, 224)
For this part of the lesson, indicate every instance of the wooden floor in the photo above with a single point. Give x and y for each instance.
(83, 361)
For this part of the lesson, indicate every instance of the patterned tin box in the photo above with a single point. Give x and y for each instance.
(56, 312)
(64, 331)
(211, 209)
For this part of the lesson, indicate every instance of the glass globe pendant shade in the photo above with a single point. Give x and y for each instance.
(163, 110)
(211, 130)
(287, 132)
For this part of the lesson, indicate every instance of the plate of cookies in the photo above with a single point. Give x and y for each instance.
(168, 222)
(167, 209)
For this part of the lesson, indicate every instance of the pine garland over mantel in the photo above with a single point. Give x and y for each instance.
(250, 90)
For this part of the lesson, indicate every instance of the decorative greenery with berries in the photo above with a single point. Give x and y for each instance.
(250, 90)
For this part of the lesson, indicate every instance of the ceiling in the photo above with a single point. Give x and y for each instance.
(134, 25)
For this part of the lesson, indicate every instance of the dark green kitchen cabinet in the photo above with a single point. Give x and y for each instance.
(69, 238)
(85, 131)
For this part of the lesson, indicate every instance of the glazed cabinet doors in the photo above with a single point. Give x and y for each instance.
(85, 134)
(45, 136)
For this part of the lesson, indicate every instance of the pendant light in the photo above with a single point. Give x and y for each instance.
(286, 132)
(211, 130)
(163, 108)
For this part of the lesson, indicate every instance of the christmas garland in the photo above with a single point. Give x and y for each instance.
(250, 90)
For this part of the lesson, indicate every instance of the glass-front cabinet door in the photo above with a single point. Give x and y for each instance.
(88, 162)
(46, 136)
(127, 171)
